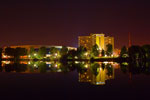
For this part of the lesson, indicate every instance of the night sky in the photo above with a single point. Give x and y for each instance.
(60, 22)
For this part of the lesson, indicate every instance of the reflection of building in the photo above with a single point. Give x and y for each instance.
(86, 77)
(99, 39)
(98, 79)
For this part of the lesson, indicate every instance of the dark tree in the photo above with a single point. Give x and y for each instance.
(109, 50)
(103, 53)
(53, 50)
(71, 54)
(94, 68)
(81, 51)
(1, 50)
(31, 52)
(63, 51)
(147, 51)
(95, 51)
(42, 52)
(9, 51)
(136, 53)
(123, 52)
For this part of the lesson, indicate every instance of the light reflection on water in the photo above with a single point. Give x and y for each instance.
(96, 73)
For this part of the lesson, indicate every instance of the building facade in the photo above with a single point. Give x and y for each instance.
(99, 39)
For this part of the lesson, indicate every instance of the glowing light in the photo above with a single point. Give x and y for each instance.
(86, 54)
(105, 55)
(48, 63)
(59, 70)
(56, 54)
(76, 57)
(29, 56)
(125, 63)
(56, 65)
(86, 66)
(4, 56)
(35, 54)
(106, 62)
(76, 62)
(29, 62)
(35, 66)
(6, 62)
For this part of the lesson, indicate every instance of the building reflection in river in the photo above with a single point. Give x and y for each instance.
(98, 73)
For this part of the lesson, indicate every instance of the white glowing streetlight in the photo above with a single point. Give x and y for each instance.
(56, 54)
(35, 54)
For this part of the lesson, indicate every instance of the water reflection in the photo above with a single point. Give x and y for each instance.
(136, 67)
(97, 73)
(35, 67)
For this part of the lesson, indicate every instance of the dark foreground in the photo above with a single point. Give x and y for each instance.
(59, 86)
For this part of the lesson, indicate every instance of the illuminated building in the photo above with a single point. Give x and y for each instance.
(99, 39)
(85, 41)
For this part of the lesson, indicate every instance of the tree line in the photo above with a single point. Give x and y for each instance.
(55, 53)
(136, 52)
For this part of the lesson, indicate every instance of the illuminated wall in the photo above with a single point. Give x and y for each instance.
(85, 41)
(99, 39)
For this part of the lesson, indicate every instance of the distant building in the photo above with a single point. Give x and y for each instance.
(85, 41)
(99, 39)
(36, 48)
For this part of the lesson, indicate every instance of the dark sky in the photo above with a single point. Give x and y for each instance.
(60, 22)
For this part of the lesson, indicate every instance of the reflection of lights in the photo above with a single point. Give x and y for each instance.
(59, 70)
(48, 63)
(48, 55)
(125, 63)
(4, 56)
(100, 68)
(76, 57)
(6, 62)
(100, 83)
(105, 55)
(29, 62)
(76, 62)
(106, 62)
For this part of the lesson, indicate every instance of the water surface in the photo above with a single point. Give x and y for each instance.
(74, 80)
